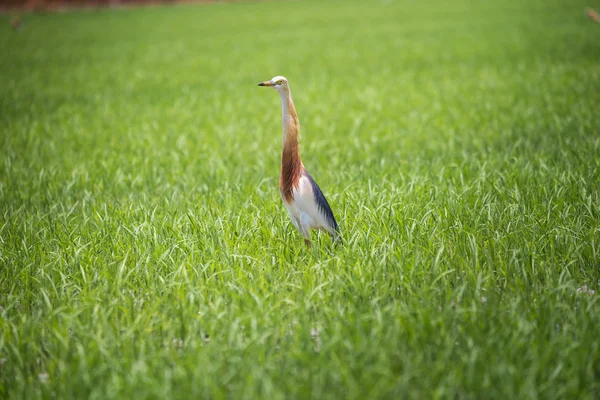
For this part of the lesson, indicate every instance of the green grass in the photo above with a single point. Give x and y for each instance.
(145, 252)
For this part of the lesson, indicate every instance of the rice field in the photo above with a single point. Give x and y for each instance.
(145, 251)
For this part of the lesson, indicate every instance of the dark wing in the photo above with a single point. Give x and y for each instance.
(322, 202)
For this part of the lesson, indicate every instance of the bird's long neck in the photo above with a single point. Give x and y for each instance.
(291, 164)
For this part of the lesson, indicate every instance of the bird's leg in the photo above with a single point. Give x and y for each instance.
(306, 233)
(305, 230)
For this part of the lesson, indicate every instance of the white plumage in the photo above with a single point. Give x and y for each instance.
(306, 211)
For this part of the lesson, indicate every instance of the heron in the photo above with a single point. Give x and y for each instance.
(304, 200)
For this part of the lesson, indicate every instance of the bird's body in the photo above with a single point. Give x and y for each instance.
(15, 22)
(592, 14)
(308, 207)
(301, 195)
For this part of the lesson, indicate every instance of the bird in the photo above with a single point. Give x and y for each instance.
(304, 200)
(15, 22)
(592, 14)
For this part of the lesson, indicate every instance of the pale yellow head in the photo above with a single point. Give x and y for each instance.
(279, 83)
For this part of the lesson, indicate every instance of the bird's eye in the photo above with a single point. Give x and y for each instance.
(279, 82)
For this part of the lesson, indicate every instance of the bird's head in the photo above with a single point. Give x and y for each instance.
(278, 83)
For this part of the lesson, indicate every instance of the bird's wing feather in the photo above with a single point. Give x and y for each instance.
(312, 201)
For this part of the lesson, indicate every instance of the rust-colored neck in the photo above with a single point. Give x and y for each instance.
(291, 164)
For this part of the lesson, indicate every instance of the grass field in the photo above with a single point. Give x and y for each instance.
(145, 252)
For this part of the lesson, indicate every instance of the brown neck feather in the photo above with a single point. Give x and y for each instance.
(291, 164)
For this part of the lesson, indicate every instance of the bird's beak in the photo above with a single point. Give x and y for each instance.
(266, 83)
